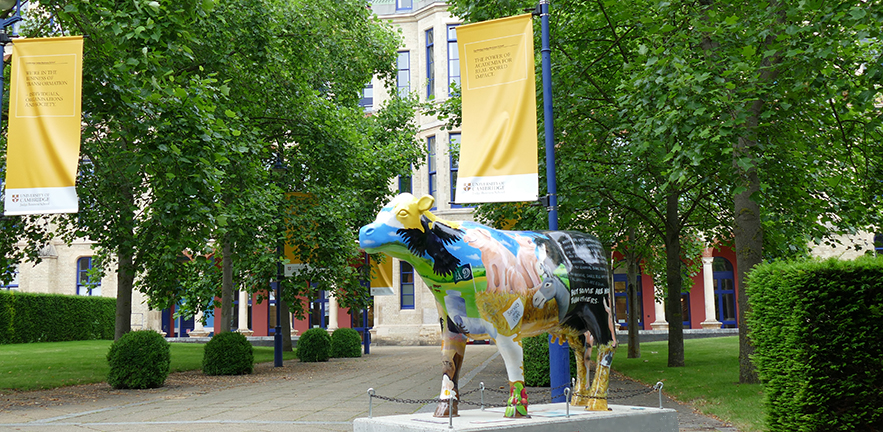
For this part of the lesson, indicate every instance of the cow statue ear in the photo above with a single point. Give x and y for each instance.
(425, 203)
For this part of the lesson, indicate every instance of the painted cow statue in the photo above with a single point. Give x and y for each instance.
(504, 286)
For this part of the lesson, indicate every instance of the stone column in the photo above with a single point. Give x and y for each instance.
(711, 321)
(332, 313)
(198, 328)
(243, 314)
(660, 323)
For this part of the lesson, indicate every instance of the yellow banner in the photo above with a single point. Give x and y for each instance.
(498, 149)
(44, 126)
(381, 277)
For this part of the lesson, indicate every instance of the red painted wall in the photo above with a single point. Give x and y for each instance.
(697, 292)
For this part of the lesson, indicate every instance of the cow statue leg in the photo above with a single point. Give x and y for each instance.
(453, 350)
(583, 353)
(598, 392)
(513, 357)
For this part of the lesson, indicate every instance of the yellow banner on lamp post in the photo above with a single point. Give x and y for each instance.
(498, 147)
(44, 126)
(381, 277)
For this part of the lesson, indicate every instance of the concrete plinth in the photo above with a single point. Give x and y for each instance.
(544, 418)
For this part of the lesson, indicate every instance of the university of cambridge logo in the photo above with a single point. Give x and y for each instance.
(15, 198)
(467, 187)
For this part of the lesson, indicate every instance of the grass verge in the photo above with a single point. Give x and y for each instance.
(709, 381)
(55, 364)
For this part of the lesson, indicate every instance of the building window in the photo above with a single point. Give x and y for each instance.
(685, 309)
(404, 5)
(724, 292)
(453, 150)
(433, 173)
(405, 184)
(403, 79)
(12, 274)
(319, 311)
(367, 99)
(406, 285)
(85, 285)
(620, 296)
(878, 244)
(430, 65)
(453, 57)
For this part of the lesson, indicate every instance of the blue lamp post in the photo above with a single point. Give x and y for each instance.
(279, 169)
(559, 364)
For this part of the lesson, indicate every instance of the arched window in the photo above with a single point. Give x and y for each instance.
(724, 292)
(86, 284)
(620, 296)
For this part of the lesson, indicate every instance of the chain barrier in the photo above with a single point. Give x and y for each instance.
(546, 398)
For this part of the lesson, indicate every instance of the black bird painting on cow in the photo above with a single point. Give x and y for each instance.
(431, 240)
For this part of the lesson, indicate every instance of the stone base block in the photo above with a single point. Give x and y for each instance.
(711, 325)
(544, 418)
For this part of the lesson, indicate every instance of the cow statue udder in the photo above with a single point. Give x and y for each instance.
(504, 286)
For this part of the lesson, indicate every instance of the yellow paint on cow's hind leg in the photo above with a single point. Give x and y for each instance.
(583, 354)
(598, 392)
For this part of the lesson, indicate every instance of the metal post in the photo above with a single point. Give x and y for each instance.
(5, 39)
(559, 364)
(370, 402)
(658, 388)
(451, 411)
(567, 401)
(278, 168)
(481, 386)
(367, 340)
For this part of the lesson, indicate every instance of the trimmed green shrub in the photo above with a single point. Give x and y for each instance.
(345, 342)
(139, 360)
(228, 353)
(818, 350)
(28, 317)
(314, 345)
(536, 361)
(7, 317)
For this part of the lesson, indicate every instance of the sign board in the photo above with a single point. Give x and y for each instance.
(290, 269)
(382, 291)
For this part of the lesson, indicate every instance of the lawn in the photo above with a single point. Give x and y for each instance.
(709, 381)
(55, 364)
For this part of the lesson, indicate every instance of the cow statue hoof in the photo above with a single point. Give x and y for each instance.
(516, 406)
(441, 410)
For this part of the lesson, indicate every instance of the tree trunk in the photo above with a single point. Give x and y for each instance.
(747, 229)
(125, 273)
(125, 283)
(748, 233)
(674, 274)
(227, 286)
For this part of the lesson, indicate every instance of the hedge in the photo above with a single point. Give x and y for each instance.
(815, 326)
(346, 342)
(536, 361)
(29, 317)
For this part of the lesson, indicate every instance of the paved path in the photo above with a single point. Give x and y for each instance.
(296, 397)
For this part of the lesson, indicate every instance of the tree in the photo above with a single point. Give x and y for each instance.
(184, 107)
(776, 98)
(778, 78)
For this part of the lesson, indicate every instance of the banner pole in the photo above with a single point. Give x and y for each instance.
(4, 40)
(559, 364)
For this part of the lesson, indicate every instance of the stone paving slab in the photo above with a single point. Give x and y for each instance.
(299, 397)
